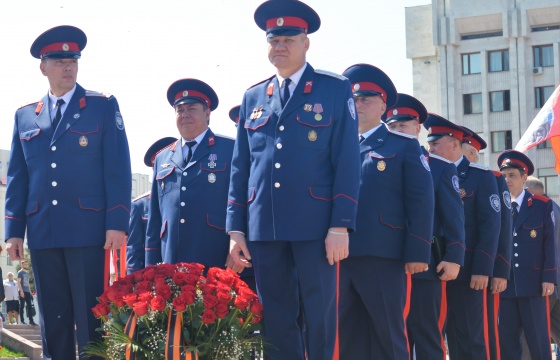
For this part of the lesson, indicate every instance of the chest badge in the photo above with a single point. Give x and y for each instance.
(162, 186)
(211, 178)
(463, 193)
(533, 234)
(318, 109)
(307, 107)
(83, 141)
(166, 165)
(312, 135)
(381, 165)
(212, 158)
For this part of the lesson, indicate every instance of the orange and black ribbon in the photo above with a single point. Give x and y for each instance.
(130, 329)
(175, 348)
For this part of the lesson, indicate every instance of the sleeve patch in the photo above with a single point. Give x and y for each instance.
(424, 162)
(495, 202)
(352, 108)
(455, 181)
(507, 199)
(119, 121)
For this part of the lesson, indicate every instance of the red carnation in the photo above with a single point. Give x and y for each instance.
(145, 296)
(208, 317)
(158, 303)
(140, 308)
(130, 299)
(210, 301)
(179, 303)
(222, 310)
(180, 278)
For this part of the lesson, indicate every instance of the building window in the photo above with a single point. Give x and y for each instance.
(545, 28)
(471, 63)
(542, 94)
(501, 140)
(544, 145)
(499, 100)
(549, 177)
(9, 261)
(542, 56)
(482, 35)
(472, 103)
(498, 60)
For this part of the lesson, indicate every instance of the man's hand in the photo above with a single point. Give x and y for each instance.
(336, 244)
(450, 270)
(114, 239)
(547, 288)
(415, 267)
(498, 285)
(230, 264)
(238, 250)
(479, 282)
(14, 247)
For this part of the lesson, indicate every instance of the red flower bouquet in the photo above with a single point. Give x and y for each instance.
(174, 312)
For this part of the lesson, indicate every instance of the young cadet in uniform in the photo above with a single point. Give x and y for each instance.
(69, 186)
(188, 201)
(466, 296)
(393, 228)
(524, 304)
(293, 193)
(472, 144)
(428, 305)
(136, 240)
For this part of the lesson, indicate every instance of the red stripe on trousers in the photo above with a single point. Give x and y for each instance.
(443, 317)
(485, 322)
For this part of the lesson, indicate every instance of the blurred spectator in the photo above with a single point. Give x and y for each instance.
(12, 298)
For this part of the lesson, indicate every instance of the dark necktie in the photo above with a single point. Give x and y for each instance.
(58, 115)
(190, 144)
(514, 211)
(286, 93)
(362, 138)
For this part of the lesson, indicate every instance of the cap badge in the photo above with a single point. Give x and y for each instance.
(65, 47)
(356, 87)
(533, 234)
(280, 21)
(312, 135)
(185, 93)
(211, 178)
(429, 131)
(381, 165)
(395, 112)
(83, 141)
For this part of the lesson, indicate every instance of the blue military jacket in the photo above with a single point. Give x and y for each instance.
(67, 187)
(295, 171)
(136, 240)
(396, 208)
(534, 248)
(449, 216)
(502, 264)
(188, 204)
(482, 206)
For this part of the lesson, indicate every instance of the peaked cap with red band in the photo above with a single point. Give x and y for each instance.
(155, 148)
(438, 126)
(473, 139)
(515, 159)
(407, 108)
(234, 113)
(286, 18)
(61, 42)
(367, 80)
(189, 91)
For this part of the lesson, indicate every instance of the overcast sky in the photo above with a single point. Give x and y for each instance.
(135, 50)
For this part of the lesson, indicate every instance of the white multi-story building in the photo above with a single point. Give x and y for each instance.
(490, 66)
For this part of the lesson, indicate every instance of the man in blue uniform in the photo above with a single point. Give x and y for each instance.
(428, 305)
(466, 296)
(293, 193)
(69, 186)
(472, 144)
(524, 304)
(234, 114)
(136, 240)
(393, 227)
(191, 179)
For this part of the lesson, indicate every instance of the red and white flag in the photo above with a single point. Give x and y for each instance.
(545, 126)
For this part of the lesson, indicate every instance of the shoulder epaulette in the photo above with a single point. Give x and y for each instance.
(408, 136)
(31, 103)
(260, 82)
(224, 137)
(98, 94)
(142, 196)
(434, 156)
(541, 198)
(480, 167)
(331, 74)
(497, 173)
